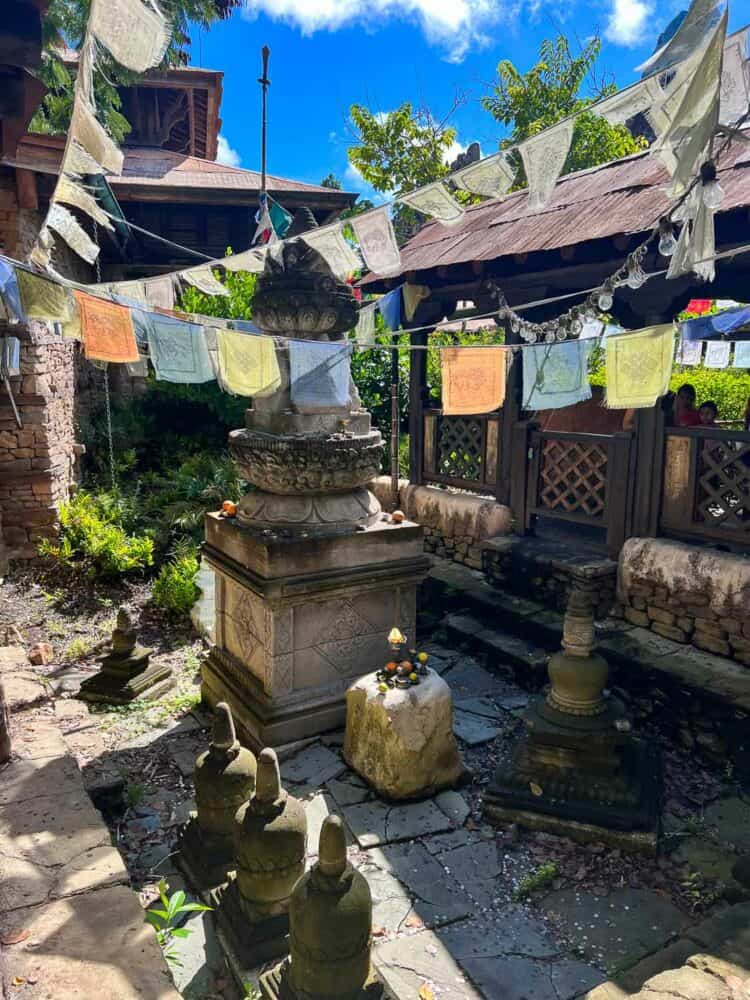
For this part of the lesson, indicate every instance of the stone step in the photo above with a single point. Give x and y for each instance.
(529, 662)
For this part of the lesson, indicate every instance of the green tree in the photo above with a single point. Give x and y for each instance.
(332, 181)
(551, 90)
(64, 27)
(401, 149)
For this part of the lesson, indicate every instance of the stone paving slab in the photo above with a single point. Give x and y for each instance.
(374, 823)
(22, 690)
(87, 946)
(617, 930)
(473, 729)
(348, 790)
(485, 707)
(391, 902)
(22, 780)
(437, 898)
(731, 818)
(43, 739)
(518, 978)
(317, 808)
(454, 805)
(515, 931)
(315, 764)
(407, 963)
(467, 679)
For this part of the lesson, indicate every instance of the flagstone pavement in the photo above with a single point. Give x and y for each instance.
(455, 912)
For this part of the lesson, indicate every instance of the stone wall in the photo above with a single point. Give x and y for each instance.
(689, 594)
(547, 570)
(455, 524)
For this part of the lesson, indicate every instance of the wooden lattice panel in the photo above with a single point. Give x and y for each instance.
(573, 478)
(724, 485)
(460, 448)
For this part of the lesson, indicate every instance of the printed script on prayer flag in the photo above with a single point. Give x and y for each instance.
(473, 379)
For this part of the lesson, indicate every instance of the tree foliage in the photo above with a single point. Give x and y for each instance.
(551, 90)
(64, 27)
(401, 149)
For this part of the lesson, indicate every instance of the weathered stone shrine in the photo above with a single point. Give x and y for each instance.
(224, 780)
(577, 769)
(270, 834)
(330, 931)
(126, 673)
(309, 575)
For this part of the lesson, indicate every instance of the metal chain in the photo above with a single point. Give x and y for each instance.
(108, 408)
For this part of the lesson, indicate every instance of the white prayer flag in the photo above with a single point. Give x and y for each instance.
(65, 225)
(86, 130)
(203, 279)
(544, 156)
(434, 200)
(253, 260)
(377, 241)
(364, 332)
(735, 78)
(136, 35)
(741, 354)
(73, 194)
(333, 248)
(702, 15)
(690, 352)
(717, 353)
(638, 99)
(78, 163)
(160, 291)
(682, 146)
(491, 177)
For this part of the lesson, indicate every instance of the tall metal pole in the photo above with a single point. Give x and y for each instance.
(265, 83)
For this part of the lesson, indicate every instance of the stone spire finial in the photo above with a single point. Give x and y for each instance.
(123, 637)
(303, 222)
(223, 734)
(268, 779)
(332, 847)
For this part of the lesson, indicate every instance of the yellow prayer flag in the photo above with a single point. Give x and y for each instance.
(473, 379)
(44, 299)
(639, 366)
(247, 363)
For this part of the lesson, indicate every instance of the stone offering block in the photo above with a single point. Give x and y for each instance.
(401, 741)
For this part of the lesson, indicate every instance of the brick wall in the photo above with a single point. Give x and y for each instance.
(37, 460)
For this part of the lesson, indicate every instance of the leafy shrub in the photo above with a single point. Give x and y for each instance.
(91, 539)
(175, 589)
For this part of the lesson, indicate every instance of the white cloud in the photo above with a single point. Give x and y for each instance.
(453, 151)
(627, 22)
(227, 154)
(354, 181)
(454, 25)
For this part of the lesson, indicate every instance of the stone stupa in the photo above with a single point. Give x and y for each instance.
(309, 575)
(126, 672)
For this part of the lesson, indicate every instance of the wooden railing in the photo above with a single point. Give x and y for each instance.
(706, 484)
(580, 478)
(462, 451)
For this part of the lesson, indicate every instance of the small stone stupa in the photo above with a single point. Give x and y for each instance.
(224, 778)
(330, 931)
(125, 673)
(270, 833)
(577, 769)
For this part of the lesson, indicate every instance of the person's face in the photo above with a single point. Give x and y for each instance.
(707, 415)
(686, 397)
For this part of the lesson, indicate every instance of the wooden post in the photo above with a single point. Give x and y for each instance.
(395, 418)
(417, 401)
(647, 482)
(510, 415)
(617, 491)
(519, 456)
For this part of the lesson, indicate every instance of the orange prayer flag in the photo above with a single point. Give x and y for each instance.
(106, 329)
(473, 379)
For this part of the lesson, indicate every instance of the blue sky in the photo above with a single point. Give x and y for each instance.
(328, 54)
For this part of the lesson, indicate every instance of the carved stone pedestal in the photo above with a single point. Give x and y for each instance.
(299, 619)
(276, 985)
(249, 938)
(577, 770)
